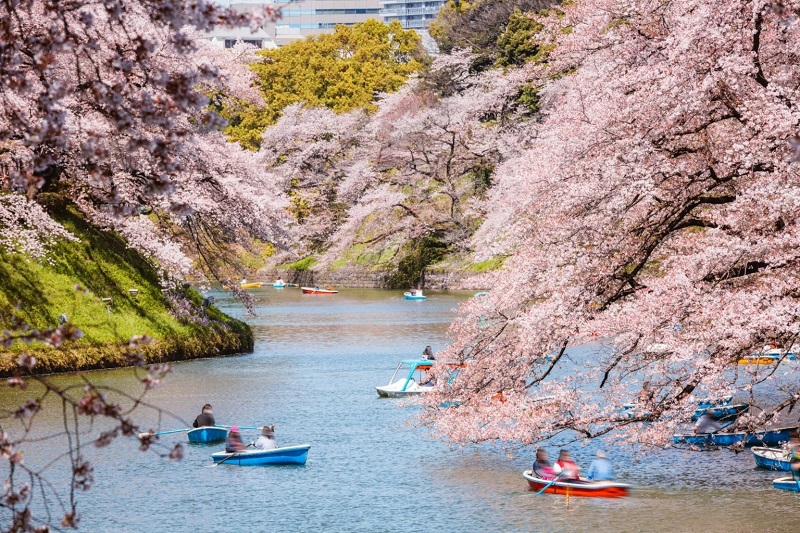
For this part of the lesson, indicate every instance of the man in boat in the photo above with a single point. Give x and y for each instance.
(205, 418)
(267, 439)
(234, 442)
(707, 423)
(542, 467)
(600, 469)
(794, 448)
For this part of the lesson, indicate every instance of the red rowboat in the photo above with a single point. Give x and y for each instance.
(590, 489)
(317, 290)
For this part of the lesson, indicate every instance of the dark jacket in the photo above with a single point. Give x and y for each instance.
(204, 419)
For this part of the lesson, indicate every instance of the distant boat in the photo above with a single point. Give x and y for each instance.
(278, 284)
(317, 290)
(764, 438)
(252, 285)
(589, 489)
(482, 293)
(787, 483)
(757, 360)
(414, 295)
(207, 434)
(290, 455)
(721, 412)
(772, 458)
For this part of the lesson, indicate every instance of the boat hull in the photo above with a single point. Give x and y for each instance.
(290, 455)
(771, 459)
(723, 411)
(312, 290)
(207, 434)
(409, 296)
(767, 438)
(786, 483)
(383, 393)
(277, 286)
(586, 489)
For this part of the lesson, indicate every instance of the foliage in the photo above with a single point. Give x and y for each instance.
(410, 271)
(302, 264)
(652, 127)
(341, 71)
(516, 44)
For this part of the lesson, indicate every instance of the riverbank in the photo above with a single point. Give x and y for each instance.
(111, 293)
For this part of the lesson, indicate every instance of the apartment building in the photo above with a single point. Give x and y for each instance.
(413, 15)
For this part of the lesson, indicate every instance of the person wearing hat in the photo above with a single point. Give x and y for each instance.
(600, 469)
(234, 442)
(267, 439)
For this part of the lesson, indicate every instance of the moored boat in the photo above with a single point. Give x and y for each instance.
(772, 458)
(246, 285)
(407, 386)
(722, 412)
(317, 290)
(774, 437)
(757, 360)
(289, 455)
(589, 489)
(786, 483)
(206, 434)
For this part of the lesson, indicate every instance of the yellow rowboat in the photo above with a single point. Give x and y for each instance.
(757, 361)
(254, 285)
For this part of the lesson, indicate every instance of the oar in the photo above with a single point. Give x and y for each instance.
(240, 427)
(231, 455)
(548, 485)
(149, 434)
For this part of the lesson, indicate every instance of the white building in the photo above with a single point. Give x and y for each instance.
(416, 15)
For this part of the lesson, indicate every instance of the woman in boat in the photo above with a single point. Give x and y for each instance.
(566, 467)
(428, 353)
(234, 442)
(541, 466)
(267, 439)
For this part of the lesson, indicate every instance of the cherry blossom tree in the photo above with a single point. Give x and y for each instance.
(655, 209)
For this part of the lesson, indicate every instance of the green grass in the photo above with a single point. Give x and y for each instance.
(303, 264)
(485, 266)
(101, 266)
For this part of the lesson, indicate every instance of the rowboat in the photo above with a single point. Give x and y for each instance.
(317, 290)
(207, 434)
(290, 455)
(757, 360)
(589, 489)
(407, 386)
(772, 458)
(766, 438)
(721, 412)
(278, 284)
(786, 483)
(414, 295)
(252, 285)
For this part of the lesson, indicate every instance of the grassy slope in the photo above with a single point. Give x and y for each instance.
(102, 264)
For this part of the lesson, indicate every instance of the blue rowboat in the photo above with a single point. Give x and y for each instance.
(414, 296)
(766, 438)
(290, 455)
(207, 434)
(786, 483)
(772, 458)
(722, 411)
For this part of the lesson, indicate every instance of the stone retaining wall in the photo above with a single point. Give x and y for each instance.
(359, 279)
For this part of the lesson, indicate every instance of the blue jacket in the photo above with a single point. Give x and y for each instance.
(600, 470)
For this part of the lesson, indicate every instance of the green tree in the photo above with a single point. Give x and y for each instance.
(516, 45)
(341, 71)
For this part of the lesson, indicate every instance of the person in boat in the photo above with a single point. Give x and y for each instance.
(600, 469)
(205, 418)
(542, 467)
(267, 439)
(427, 353)
(429, 379)
(706, 423)
(234, 442)
(794, 450)
(566, 467)
(329, 287)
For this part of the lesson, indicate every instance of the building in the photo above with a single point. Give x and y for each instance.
(412, 14)
(227, 37)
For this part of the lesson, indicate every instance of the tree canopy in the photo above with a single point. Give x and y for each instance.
(341, 71)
